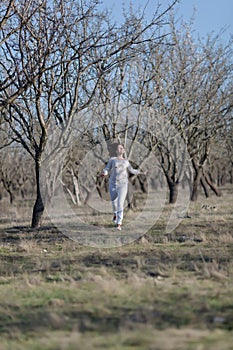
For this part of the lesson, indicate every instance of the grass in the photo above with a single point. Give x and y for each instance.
(165, 291)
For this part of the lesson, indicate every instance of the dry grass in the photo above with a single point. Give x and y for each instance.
(165, 291)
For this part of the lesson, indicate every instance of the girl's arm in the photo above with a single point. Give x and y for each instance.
(134, 171)
(107, 169)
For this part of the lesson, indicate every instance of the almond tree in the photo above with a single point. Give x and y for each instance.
(186, 87)
(13, 81)
(191, 89)
(206, 99)
(16, 176)
(59, 54)
(229, 147)
(6, 9)
(225, 155)
(137, 97)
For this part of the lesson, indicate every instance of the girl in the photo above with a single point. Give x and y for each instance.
(118, 182)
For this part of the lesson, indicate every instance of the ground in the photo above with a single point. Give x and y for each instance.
(163, 291)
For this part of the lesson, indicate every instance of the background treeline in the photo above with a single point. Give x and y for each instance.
(66, 67)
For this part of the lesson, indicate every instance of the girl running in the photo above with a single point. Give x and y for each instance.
(118, 183)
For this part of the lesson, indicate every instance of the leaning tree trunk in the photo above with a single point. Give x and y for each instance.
(213, 187)
(38, 209)
(205, 186)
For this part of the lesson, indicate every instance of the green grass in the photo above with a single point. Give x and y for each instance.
(170, 291)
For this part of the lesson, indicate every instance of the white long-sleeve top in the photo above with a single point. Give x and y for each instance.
(117, 168)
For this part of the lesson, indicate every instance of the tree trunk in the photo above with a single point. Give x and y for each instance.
(196, 181)
(38, 209)
(205, 186)
(213, 187)
(131, 201)
(231, 175)
(12, 197)
(142, 182)
(76, 189)
(173, 191)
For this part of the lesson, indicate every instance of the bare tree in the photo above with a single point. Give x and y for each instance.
(13, 80)
(16, 176)
(136, 98)
(223, 152)
(59, 55)
(6, 12)
(192, 89)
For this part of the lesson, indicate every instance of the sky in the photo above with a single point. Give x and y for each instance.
(210, 15)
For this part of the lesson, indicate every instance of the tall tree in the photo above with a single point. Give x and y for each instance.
(191, 89)
(59, 54)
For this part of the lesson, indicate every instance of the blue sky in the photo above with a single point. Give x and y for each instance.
(210, 16)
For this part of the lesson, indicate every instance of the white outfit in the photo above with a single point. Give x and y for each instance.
(118, 183)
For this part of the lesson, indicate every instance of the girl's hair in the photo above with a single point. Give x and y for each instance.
(112, 148)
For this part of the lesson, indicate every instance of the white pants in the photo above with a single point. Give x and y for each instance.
(118, 192)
